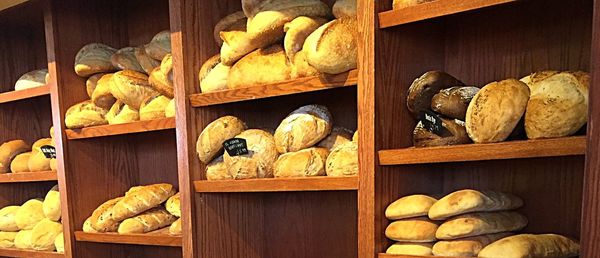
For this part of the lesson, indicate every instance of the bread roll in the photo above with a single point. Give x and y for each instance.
(7, 218)
(102, 96)
(131, 88)
(210, 141)
(120, 113)
(343, 160)
(92, 82)
(296, 33)
(87, 227)
(124, 59)
(173, 205)
(32, 79)
(161, 77)
(148, 221)
(8, 151)
(94, 58)
(338, 135)
(44, 234)
(170, 109)
(332, 48)
(259, 161)
(453, 102)
(232, 22)
(263, 66)
(85, 114)
(7, 239)
(528, 245)
(453, 133)
(417, 249)
(51, 204)
(59, 243)
(23, 239)
(495, 110)
(303, 128)
(213, 75)
(465, 247)
(154, 107)
(558, 105)
(303, 163)
(175, 228)
(30, 213)
(423, 89)
(38, 162)
(101, 219)
(159, 46)
(411, 206)
(465, 201)
(476, 224)
(217, 170)
(415, 230)
(399, 4)
(20, 163)
(141, 200)
(344, 8)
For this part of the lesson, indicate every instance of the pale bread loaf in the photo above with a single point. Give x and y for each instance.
(465, 247)
(148, 221)
(338, 135)
(344, 8)
(173, 205)
(8, 151)
(141, 200)
(411, 206)
(213, 75)
(303, 128)
(153, 107)
(32, 79)
(332, 48)
(159, 46)
(146, 62)
(404, 248)
(465, 201)
(38, 162)
(23, 239)
(343, 160)
(210, 141)
(44, 234)
(217, 170)
(161, 78)
(414, 230)
(101, 219)
(355, 136)
(7, 239)
(263, 66)
(296, 32)
(175, 228)
(59, 243)
(170, 109)
(131, 88)
(30, 213)
(527, 245)
(259, 161)
(20, 163)
(51, 204)
(121, 113)
(7, 218)
(303, 163)
(124, 59)
(94, 58)
(476, 224)
(102, 97)
(85, 114)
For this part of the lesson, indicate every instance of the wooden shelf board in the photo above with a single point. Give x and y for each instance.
(28, 177)
(159, 237)
(5, 4)
(24, 94)
(384, 255)
(118, 129)
(433, 9)
(322, 183)
(13, 252)
(300, 85)
(567, 146)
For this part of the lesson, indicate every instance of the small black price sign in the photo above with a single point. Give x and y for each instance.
(432, 122)
(49, 151)
(236, 147)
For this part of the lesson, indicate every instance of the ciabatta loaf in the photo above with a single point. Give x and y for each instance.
(465, 201)
(411, 206)
(476, 224)
(466, 247)
(527, 245)
(407, 248)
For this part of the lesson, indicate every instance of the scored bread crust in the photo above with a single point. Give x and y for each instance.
(332, 48)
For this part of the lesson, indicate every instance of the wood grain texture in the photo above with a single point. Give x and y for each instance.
(437, 8)
(24, 94)
(300, 85)
(28, 177)
(119, 129)
(11, 252)
(278, 185)
(159, 237)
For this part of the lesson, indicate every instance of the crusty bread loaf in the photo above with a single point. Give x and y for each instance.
(406, 248)
(338, 135)
(259, 161)
(87, 226)
(296, 33)
(51, 204)
(232, 22)
(92, 82)
(343, 160)
(173, 205)
(422, 90)
(355, 136)
(7, 218)
(217, 170)
(170, 110)
(85, 114)
(303, 128)
(153, 107)
(210, 141)
(159, 46)
(124, 59)
(213, 75)
(131, 88)
(453, 133)
(344, 8)
(102, 97)
(141, 200)
(32, 79)
(476, 224)
(399, 4)
(411, 206)
(94, 58)
(175, 228)
(37, 145)
(38, 162)
(332, 48)
(146, 62)
(496, 110)
(527, 245)
(44, 234)
(415, 230)
(121, 113)
(465, 201)
(23, 239)
(59, 243)
(20, 163)
(453, 102)
(148, 221)
(7, 239)
(263, 66)
(161, 77)
(101, 219)
(303, 163)
(8, 151)
(30, 213)
(301, 68)
(466, 247)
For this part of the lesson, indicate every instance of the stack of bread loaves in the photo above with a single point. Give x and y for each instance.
(305, 144)
(125, 85)
(277, 40)
(15, 156)
(141, 210)
(32, 79)
(34, 225)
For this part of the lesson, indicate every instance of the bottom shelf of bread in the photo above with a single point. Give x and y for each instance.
(322, 183)
(159, 237)
(12, 252)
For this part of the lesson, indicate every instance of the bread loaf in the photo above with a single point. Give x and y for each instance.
(453, 133)
(20, 163)
(210, 141)
(131, 88)
(146, 62)
(263, 66)
(124, 59)
(303, 128)
(338, 135)
(87, 226)
(527, 245)
(301, 68)
(94, 58)
(465, 201)
(23, 239)
(7, 218)
(92, 82)
(332, 48)
(141, 200)
(232, 22)
(120, 113)
(44, 234)
(7, 239)
(8, 151)
(415, 230)
(259, 161)
(170, 109)
(296, 33)
(213, 75)
(343, 160)
(495, 110)
(51, 204)
(399, 4)
(85, 114)
(102, 96)
(148, 221)
(217, 170)
(38, 162)
(409, 207)
(101, 219)
(30, 213)
(417, 249)
(175, 228)
(303, 163)
(161, 77)
(159, 46)
(32, 79)
(465, 247)
(37, 145)
(344, 8)
(173, 205)
(453, 102)
(59, 243)
(154, 107)
(476, 224)
(423, 89)
(355, 136)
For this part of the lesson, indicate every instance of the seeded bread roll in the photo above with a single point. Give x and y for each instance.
(303, 128)
(409, 207)
(85, 114)
(51, 204)
(403, 248)
(170, 110)
(338, 135)
(44, 234)
(124, 59)
(94, 58)
(213, 75)
(423, 89)
(7, 218)
(415, 230)
(92, 82)
(217, 170)
(101, 219)
(465, 201)
(120, 113)
(173, 205)
(453, 102)
(453, 133)
(154, 107)
(399, 4)
(466, 247)
(259, 161)
(20, 163)
(8, 151)
(528, 245)
(476, 224)
(210, 141)
(7, 239)
(148, 221)
(303, 163)
(23, 239)
(175, 228)
(142, 199)
(161, 77)
(87, 226)
(343, 160)
(160, 45)
(30, 213)
(131, 88)
(32, 79)
(332, 48)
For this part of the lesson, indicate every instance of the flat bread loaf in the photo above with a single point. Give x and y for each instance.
(417, 249)
(465, 201)
(414, 230)
(528, 245)
(465, 247)
(303, 128)
(411, 206)
(476, 224)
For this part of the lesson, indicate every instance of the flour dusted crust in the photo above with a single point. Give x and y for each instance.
(296, 33)
(343, 160)
(303, 163)
(303, 128)
(467, 200)
(332, 48)
(263, 66)
(32, 79)
(85, 114)
(338, 135)
(94, 58)
(211, 139)
(415, 230)
(259, 161)
(528, 245)
(131, 88)
(213, 75)
(411, 206)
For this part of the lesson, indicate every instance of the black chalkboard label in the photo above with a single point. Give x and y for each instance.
(432, 122)
(236, 147)
(49, 151)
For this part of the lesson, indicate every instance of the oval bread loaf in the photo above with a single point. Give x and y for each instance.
(44, 234)
(8, 151)
(7, 218)
(51, 204)
(411, 206)
(465, 201)
(296, 32)
(210, 141)
(38, 162)
(338, 135)
(476, 224)
(154, 107)
(94, 58)
(161, 78)
(30, 213)
(528, 245)
(415, 230)
(303, 128)
(213, 75)
(20, 163)
(85, 114)
(159, 46)
(404, 248)
(131, 88)
(7, 239)
(465, 247)
(101, 219)
(217, 170)
(146, 62)
(272, 63)
(259, 161)
(143, 199)
(343, 160)
(148, 221)
(124, 59)
(92, 82)
(332, 48)
(304, 163)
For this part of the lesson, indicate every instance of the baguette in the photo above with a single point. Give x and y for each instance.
(141, 200)
(409, 207)
(101, 219)
(466, 247)
(87, 226)
(465, 201)
(148, 221)
(475, 224)
(415, 230)
(527, 245)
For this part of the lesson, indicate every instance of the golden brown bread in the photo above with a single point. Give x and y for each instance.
(423, 89)
(7, 218)
(411, 206)
(131, 88)
(8, 151)
(102, 97)
(476, 224)
(161, 77)
(124, 59)
(146, 62)
(44, 234)
(92, 82)
(20, 163)
(94, 58)
(213, 75)
(332, 48)
(101, 219)
(51, 204)
(465, 201)
(296, 32)
(154, 107)
(217, 170)
(30, 213)
(417, 230)
(344, 8)
(121, 113)
(175, 228)
(173, 205)
(528, 245)
(338, 135)
(32, 79)
(232, 22)
(148, 221)
(406, 248)
(210, 141)
(263, 66)
(159, 46)
(303, 128)
(466, 247)
(141, 200)
(38, 162)
(87, 227)
(343, 160)
(85, 114)
(259, 161)
(303, 163)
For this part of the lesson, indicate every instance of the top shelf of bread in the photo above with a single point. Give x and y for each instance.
(438, 8)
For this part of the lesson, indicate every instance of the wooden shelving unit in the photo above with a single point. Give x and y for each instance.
(28, 177)
(158, 238)
(10, 252)
(119, 129)
(24, 94)
(278, 185)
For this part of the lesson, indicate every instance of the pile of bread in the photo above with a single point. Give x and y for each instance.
(278, 40)
(125, 85)
(35, 78)
(304, 144)
(143, 209)
(34, 225)
(17, 156)
(545, 104)
(468, 223)
(399, 4)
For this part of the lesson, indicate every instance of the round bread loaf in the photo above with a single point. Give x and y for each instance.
(32, 79)
(23, 239)
(213, 75)
(399, 4)
(343, 160)
(92, 82)
(94, 58)
(332, 47)
(30, 213)
(423, 89)
(210, 141)
(173, 205)
(537, 77)
(303, 163)
(217, 170)
(338, 135)
(161, 77)
(160, 45)
(120, 113)
(124, 59)
(415, 230)
(232, 22)
(416, 249)
(154, 107)
(453, 102)
(102, 97)
(411, 206)
(175, 228)
(20, 163)
(146, 62)
(7, 218)
(170, 109)
(131, 88)
(303, 128)
(8, 151)
(51, 204)
(496, 110)
(44, 234)
(85, 114)
(258, 163)
(7, 239)
(59, 243)
(453, 133)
